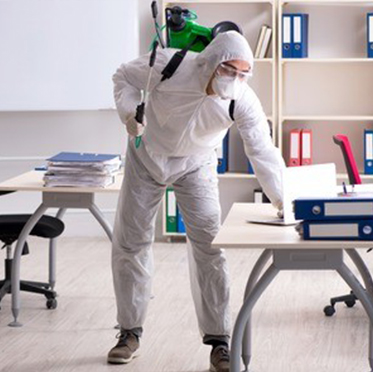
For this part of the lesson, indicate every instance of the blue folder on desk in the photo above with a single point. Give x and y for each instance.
(81, 157)
(353, 229)
(334, 208)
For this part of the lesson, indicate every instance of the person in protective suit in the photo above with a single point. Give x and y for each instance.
(187, 117)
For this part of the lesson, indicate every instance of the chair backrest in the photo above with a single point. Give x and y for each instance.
(348, 156)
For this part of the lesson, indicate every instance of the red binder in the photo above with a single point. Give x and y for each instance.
(306, 147)
(295, 142)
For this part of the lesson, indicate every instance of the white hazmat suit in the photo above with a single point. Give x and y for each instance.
(184, 127)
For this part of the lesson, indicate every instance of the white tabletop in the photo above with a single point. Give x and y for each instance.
(33, 181)
(237, 233)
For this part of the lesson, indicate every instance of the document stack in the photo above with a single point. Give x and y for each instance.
(72, 169)
(344, 217)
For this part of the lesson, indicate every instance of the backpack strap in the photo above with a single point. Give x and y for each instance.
(231, 109)
(173, 64)
(178, 57)
(176, 60)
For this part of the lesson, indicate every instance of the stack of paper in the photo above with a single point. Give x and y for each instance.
(74, 169)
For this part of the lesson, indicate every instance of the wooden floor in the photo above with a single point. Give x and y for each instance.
(291, 332)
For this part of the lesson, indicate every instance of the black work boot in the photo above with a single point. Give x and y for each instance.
(219, 359)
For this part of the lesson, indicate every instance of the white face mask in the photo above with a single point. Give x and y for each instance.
(227, 87)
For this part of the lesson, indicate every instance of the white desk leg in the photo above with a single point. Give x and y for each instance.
(52, 253)
(245, 313)
(255, 273)
(364, 297)
(363, 270)
(102, 220)
(17, 262)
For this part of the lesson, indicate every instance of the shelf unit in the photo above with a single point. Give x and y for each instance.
(329, 92)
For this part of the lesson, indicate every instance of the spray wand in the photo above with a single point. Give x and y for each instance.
(140, 110)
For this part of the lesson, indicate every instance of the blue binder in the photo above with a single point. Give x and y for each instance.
(370, 34)
(334, 208)
(300, 35)
(353, 229)
(223, 155)
(287, 36)
(250, 168)
(180, 222)
(368, 151)
(80, 157)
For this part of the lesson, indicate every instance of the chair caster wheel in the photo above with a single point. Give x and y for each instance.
(51, 303)
(350, 303)
(329, 310)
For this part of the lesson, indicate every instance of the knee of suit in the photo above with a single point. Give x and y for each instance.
(202, 231)
(132, 242)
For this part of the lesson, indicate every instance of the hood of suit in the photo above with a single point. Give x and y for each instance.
(226, 46)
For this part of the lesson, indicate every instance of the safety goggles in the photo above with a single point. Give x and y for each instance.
(225, 69)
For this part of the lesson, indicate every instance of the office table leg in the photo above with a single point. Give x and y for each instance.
(52, 253)
(364, 297)
(102, 220)
(363, 270)
(62, 201)
(255, 273)
(367, 278)
(245, 313)
(17, 260)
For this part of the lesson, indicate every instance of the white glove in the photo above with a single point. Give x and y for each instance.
(280, 211)
(134, 128)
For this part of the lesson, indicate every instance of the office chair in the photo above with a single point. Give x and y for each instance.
(354, 179)
(10, 229)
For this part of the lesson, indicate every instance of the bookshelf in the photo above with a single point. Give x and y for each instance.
(330, 91)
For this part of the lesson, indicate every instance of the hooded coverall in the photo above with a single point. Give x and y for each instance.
(184, 127)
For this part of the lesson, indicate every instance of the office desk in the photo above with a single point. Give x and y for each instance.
(288, 252)
(52, 197)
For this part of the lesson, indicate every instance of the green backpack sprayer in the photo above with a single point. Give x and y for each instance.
(182, 32)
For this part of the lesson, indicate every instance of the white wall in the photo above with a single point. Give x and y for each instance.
(28, 137)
